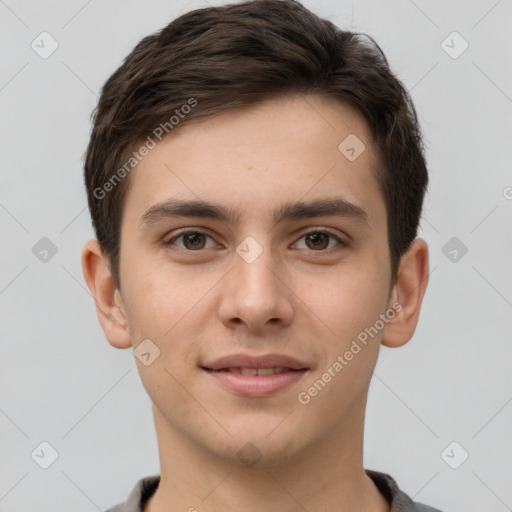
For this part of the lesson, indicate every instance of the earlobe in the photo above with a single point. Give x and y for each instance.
(107, 299)
(408, 292)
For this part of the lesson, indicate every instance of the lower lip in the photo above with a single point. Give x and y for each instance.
(256, 385)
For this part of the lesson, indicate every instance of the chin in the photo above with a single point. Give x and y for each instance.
(264, 445)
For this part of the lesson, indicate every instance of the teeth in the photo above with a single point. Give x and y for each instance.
(248, 371)
(269, 371)
(256, 371)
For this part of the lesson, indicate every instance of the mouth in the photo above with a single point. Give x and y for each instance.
(256, 371)
(256, 376)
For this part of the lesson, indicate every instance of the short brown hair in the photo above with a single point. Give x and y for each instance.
(232, 56)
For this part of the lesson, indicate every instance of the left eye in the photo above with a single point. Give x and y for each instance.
(315, 240)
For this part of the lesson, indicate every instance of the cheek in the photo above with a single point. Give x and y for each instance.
(350, 307)
(354, 296)
(152, 302)
(166, 304)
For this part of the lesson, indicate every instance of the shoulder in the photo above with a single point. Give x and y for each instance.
(140, 494)
(420, 507)
(398, 500)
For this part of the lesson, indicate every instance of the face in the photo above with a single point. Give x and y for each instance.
(264, 279)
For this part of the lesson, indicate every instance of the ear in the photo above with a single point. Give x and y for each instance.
(408, 292)
(109, 304)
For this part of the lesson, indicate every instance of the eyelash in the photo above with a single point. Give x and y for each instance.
(342, 243)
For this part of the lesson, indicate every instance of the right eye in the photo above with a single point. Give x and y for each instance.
(193, 240)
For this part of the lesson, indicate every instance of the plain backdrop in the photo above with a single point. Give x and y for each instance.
(443, 397)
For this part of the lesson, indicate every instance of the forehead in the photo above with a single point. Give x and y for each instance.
(253, 159)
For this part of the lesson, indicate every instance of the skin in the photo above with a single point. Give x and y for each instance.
(197, 304)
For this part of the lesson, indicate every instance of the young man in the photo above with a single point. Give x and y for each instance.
(255, 177)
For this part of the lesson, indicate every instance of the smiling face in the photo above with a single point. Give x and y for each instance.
(243, 272)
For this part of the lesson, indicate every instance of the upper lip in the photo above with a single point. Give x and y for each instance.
(264, 361)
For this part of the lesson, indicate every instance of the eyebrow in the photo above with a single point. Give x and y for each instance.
(176, 208)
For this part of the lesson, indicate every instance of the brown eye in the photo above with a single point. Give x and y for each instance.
(319, 241)
(192, 240)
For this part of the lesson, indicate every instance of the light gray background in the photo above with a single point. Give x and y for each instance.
(61, 382)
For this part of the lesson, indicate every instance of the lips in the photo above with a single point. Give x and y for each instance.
(256, 376)
(250, 363)
(256, 371)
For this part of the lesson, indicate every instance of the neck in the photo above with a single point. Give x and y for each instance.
(328, 476)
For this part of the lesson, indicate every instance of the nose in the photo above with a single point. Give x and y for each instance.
(255, 295)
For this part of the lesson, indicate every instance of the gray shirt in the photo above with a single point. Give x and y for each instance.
(398, 500)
